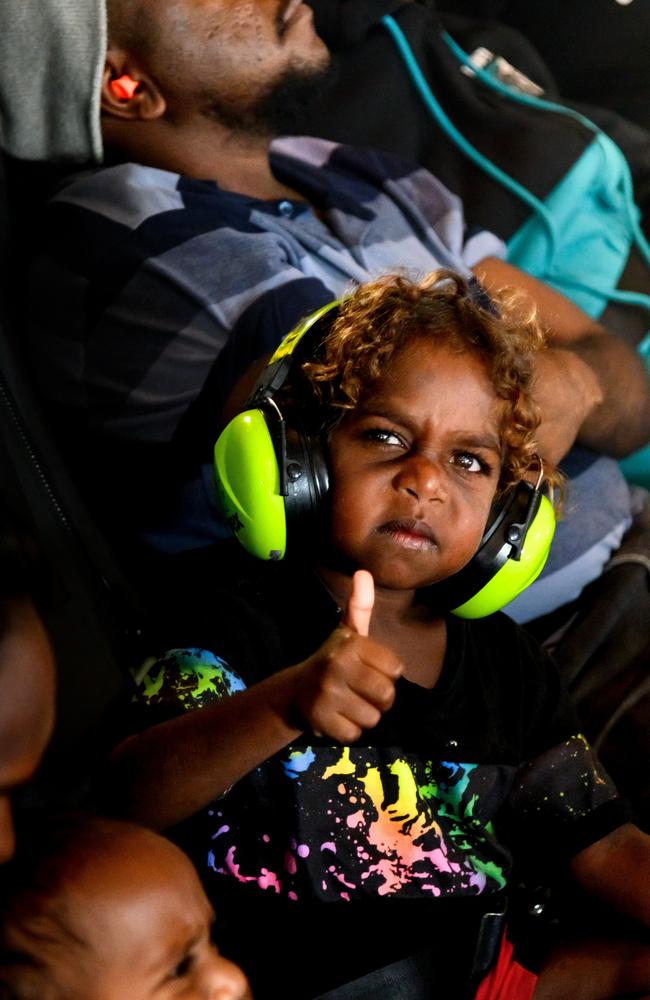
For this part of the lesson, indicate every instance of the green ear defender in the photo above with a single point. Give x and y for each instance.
(272, 486)
(271, 473)
(249, 491)
(512, 554)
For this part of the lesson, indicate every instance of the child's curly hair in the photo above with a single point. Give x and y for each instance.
(380, 317)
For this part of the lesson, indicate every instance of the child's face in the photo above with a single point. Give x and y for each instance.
(133, 923)
(415, 468)
(26, 705)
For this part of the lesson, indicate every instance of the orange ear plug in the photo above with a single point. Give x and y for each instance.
(124, 87)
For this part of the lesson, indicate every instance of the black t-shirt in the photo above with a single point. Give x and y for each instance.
(349, 858)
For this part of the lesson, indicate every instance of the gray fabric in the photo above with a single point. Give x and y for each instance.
(409, 979)
(51, 61)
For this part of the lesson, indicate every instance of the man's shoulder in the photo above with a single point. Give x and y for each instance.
(131, 212)
(132, 193)
(126, 183)
(343, 158)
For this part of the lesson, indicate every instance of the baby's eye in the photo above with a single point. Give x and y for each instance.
(185, 966)
(470, 462)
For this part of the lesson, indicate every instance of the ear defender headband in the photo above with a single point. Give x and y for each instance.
(272, 484)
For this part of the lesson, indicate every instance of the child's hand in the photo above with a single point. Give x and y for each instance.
(350, 681)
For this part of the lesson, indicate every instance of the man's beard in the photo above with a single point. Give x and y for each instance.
(284, 109)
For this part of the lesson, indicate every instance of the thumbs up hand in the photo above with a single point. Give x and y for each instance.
(360, 603)
(347, 684)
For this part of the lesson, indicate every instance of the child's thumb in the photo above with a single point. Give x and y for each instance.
(361, 602)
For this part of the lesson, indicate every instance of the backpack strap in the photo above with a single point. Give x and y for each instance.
(539, 103)
(519, 190)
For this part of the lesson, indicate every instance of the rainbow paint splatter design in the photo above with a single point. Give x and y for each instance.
(190, 678)
(370, 823)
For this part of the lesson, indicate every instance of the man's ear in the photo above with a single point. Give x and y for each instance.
(128, 92)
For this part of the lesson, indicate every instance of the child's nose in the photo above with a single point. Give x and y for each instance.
(423, 478)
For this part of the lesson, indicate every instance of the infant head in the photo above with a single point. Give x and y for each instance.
(97, 909)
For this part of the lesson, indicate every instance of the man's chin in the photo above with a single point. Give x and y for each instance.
(286, 107)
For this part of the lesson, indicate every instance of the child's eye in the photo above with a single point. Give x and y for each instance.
(470, 462)
(382, 436)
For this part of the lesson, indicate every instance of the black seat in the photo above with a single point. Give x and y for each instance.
(93, 614)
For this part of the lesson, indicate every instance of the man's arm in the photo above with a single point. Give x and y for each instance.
(617, 870)
(591, 386)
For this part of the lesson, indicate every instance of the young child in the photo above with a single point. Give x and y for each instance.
(27, 676)
(95, 909)
(358, 807)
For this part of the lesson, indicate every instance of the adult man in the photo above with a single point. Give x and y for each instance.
(190, 258)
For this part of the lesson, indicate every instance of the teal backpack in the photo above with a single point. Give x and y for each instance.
(579, 237)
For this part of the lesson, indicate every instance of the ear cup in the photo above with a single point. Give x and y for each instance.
(272, 483)
(515, 575)
(522, 524)
(247, 478)
(307, 487)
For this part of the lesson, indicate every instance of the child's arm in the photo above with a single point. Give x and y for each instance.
(617, 870)
(167, 773)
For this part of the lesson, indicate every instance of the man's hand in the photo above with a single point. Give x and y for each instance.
(349, 682)
(591, 386)
(567, 392)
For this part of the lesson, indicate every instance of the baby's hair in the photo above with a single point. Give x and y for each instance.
(381, 317)
(48, 845)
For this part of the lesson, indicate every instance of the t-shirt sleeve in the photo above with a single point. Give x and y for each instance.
(561, 799)
(182, 680)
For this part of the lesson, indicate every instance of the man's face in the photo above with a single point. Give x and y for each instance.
(415, 468)
(131, 922)
(243, 62)
(27, 696)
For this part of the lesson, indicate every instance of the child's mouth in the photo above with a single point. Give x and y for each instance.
(410, 533)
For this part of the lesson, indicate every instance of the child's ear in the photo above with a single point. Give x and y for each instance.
(128, 92)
